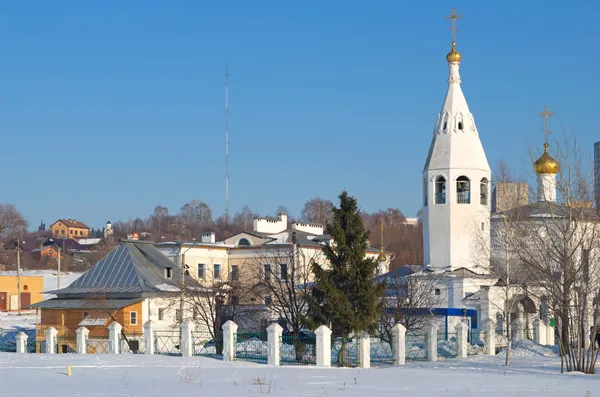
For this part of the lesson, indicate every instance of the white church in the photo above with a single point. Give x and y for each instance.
(457, 219)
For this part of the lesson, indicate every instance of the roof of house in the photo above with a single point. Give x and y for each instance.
(545, 209)
(72, 223)
(131, 268)
(85, 304)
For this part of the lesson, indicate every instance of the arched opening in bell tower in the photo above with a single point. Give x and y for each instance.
(440, 190)
(483, 191)
(463, 190)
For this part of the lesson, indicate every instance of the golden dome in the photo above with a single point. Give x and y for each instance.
(453, 55)
(381, 257)
(546, 164)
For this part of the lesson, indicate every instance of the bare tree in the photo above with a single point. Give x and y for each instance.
(409, 295)
(12, 221)
(244, 218)
(317, 210)
(561, 252)
(196, 216)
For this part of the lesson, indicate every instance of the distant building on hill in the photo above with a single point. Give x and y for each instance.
(70, 228)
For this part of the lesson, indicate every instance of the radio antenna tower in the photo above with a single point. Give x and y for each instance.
(226, 143)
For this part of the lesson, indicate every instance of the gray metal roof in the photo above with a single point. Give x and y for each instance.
(132, 267)
(82, 304)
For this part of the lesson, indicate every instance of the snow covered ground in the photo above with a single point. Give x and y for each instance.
(140, 375)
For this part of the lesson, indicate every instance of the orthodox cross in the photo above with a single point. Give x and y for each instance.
(453, 17)
(546, 114)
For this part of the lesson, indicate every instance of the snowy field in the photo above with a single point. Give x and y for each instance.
(140, 375)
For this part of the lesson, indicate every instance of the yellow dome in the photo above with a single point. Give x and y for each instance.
(381, 257)
(546, 164)
(453, 55)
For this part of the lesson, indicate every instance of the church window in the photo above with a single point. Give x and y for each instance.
(482, 226)
(424, 192)
(483, 191)
(438, 291)
(460, 125)
(445, 125)
(463, 190)
(440, 190)
(244, 242)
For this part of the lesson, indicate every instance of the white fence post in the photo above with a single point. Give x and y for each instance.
(323, 334)
(82, 338)
(490, 343)
(431, 347)
(364, 351)
(274, 332)
(22, 342)
(51, 334)
(148, 338)
(539, 332)
(229, 340)
(550, 335)
(462, 331)
(114, 333)
(399, 347)
(186, 338)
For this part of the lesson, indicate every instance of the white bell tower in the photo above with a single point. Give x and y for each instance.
(456, 184)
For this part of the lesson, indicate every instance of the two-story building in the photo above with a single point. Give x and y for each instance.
(70, 228)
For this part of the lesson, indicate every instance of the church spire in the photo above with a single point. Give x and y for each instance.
(453, 55)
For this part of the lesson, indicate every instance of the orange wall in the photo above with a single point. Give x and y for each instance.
(33, 284)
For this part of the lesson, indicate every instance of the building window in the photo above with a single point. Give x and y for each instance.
(424, 192)
(445, 125)
(440, 190)
(244, 242)
(268, 300)
(168, 272)
(438, 291)
(483, 191)
(132, 318)
(482, 226)
(217, 272)
(201, 272)
(267, 272)
(62, 232)
(463, 190)
(234, 272)
(161, 314)
(283, 271)
(81, 232)
(25, 287)
(70, 231)
(460, 125)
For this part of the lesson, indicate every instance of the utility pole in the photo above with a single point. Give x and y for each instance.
(226, 144)
(19, 271)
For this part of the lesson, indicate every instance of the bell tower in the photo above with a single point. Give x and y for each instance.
(456, 183)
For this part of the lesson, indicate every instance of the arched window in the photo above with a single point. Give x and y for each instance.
(483, 191)
(244, 242)
(463, 190)
(440, 190)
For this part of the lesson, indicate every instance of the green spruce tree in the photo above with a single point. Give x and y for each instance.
(346, 295)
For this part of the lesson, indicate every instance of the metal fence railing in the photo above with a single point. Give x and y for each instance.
(8, 339)
(298, 350)
(344, 357)
(97, 345)
(167, 342)
(203, 344)
(382, 352)
(415, 346)
(477, 343)
(447, 345)
(133, 344)
(251, 347)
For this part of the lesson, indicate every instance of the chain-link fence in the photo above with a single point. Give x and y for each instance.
(251, 347)
(167, 342)
(298, 349)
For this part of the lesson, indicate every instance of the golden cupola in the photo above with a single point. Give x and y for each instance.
(453, 55)
(546, 164)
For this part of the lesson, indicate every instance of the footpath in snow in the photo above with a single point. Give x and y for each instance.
(141, 375)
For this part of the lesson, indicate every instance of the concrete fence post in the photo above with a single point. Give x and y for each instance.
(186, 338)
(82, 339)
(22, 342)
(517, 331)
(51, 334)
(432, 354)
(114, 336)
(490, 335)
(229, 340)
(323, 334)
(399, 344)
(462, 331)
(550, 335)
(148, 338)
(364, 351)
(274, 333)
(539, 332)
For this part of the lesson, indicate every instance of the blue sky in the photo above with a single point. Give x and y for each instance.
(324, 96)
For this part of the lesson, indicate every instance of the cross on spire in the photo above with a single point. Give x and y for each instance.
(453, 17)
(546, 114)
